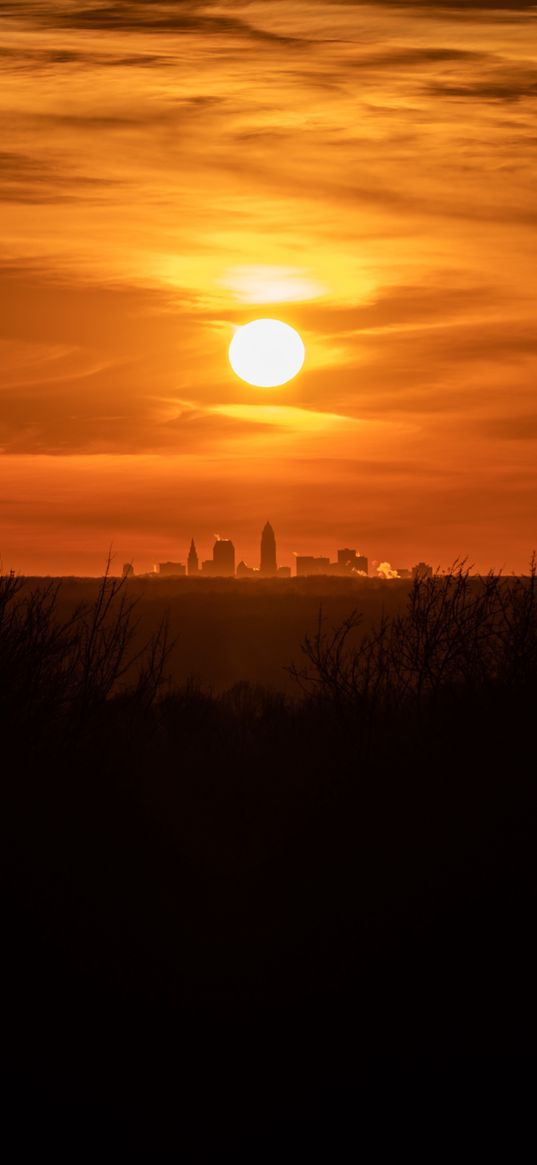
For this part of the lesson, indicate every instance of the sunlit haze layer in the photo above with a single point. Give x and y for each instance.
(364, 173)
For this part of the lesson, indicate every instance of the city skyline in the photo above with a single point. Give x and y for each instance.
(146, 551)
(310, 561)
(223, 563)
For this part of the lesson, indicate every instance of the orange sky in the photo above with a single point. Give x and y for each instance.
(366, 173)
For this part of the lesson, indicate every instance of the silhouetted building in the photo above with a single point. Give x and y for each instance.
(307, 564)
(268, 567)
(171, 569)
(349, 561)
(224, 558)
(192, 561)
(245, 571)
(422, 570)
(128, 570)
(403, 572)
(284, 572)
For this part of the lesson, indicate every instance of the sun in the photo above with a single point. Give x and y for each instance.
(266, 353)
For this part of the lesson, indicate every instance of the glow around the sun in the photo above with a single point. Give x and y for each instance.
(266, 353)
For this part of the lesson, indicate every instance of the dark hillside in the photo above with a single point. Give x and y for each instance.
(212, 896)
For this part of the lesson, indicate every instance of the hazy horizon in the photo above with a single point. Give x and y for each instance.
(143, 569)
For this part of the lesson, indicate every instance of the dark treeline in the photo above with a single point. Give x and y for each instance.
(308, 882)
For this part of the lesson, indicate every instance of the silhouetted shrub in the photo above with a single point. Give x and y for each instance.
(56, 676)
(459, 634)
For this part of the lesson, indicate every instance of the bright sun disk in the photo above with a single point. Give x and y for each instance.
(266, 353)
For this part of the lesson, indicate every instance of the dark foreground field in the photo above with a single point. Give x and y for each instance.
(228, 631)
(224, 911)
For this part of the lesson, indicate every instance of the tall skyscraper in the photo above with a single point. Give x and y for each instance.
(192, 560)
(268, 566)
(224, 558)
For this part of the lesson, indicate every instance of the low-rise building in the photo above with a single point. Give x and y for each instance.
(245, 571)
(307, 564)
(171, 569)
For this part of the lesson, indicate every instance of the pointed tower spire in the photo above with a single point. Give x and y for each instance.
(193, 561)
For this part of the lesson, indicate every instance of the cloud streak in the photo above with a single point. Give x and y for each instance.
(144, 16)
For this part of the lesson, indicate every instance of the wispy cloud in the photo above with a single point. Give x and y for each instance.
(143, 16)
